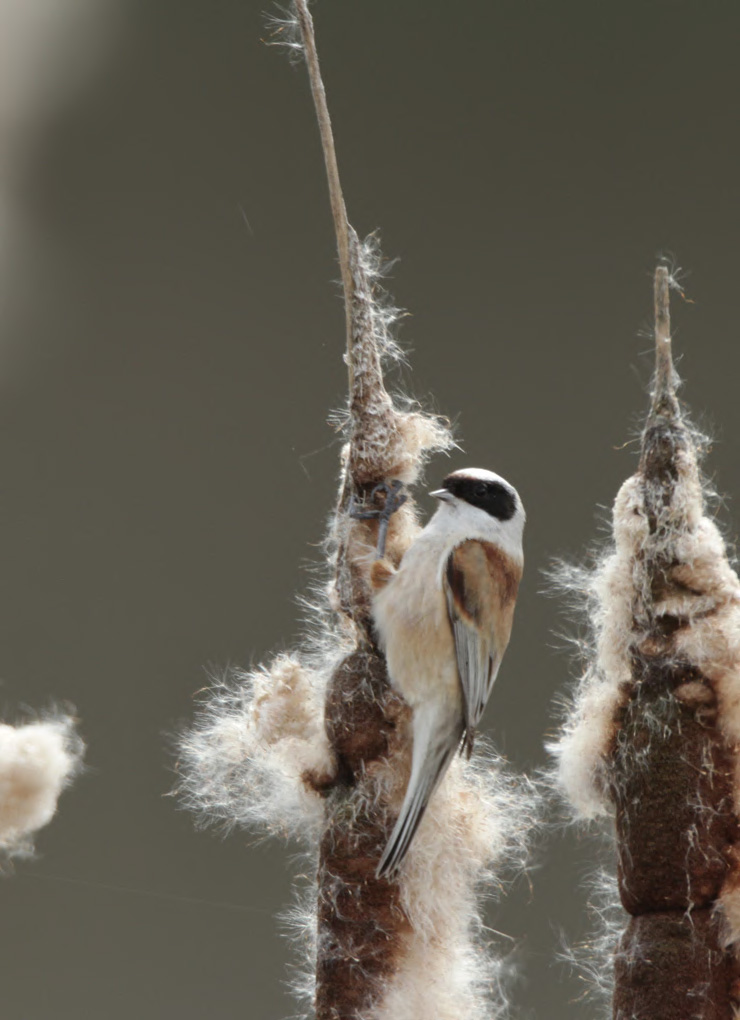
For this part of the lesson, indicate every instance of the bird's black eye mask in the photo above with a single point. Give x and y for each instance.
(493, 497)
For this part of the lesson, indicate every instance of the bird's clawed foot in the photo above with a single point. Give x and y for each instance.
(394, 500)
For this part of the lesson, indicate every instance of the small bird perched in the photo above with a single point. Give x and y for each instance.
(443, 620)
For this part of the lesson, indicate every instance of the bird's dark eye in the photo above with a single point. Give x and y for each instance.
(481, 489)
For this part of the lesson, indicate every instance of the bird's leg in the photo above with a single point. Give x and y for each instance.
(394, 499)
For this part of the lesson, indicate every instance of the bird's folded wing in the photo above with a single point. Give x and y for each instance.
(480, 584)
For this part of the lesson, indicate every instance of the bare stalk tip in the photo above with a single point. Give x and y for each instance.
(664, 402)
(336, 198)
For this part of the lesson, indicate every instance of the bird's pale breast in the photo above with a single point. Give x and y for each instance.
(414, 628)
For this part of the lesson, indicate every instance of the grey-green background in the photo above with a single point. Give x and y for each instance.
(171, 359)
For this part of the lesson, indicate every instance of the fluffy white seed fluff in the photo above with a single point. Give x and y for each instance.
(473, 836)
(710, 637)
(257, 741)
(607, 594)
(390, 438)
(589, 958)
(37, 761)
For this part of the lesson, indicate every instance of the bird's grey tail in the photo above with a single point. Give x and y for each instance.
(426, 774)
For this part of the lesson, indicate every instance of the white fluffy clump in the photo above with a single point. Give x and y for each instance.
(607, 595)
(257, 751)
(37, 761)
(472, 839)
(472, 836)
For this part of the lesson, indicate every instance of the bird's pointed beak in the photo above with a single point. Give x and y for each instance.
(444, 494)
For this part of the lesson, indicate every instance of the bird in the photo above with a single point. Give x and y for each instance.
(443, 620)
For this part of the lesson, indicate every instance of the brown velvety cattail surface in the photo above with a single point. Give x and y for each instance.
(654, 732)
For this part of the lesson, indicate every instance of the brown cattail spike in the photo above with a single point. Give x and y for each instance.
(653, 737)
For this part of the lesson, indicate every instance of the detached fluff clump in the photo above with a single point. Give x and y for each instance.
(654, 732)
(37, 761)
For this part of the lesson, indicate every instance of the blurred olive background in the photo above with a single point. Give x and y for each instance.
(172, 344)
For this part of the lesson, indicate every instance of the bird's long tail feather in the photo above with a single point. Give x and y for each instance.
(434, 748)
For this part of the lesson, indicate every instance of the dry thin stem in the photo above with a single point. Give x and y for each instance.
(664, 401)
(338, 209)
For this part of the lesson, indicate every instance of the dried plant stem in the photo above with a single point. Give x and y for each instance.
(664, 395)
(671, 768)
(377, 437)
(338, 209)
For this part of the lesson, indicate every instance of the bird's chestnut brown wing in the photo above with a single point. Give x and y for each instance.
(481, 585)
